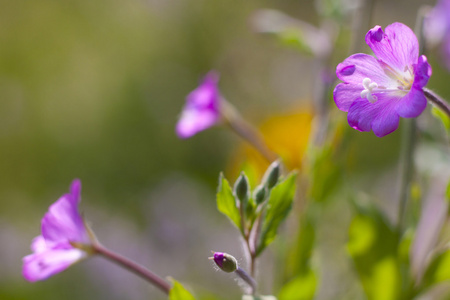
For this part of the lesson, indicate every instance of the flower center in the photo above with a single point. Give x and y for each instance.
(368, 89)
(402, 83)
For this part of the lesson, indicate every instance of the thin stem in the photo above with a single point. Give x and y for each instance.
(407, 151)
(133, 267)
(248, 279)
(438, 101)
(246, 131)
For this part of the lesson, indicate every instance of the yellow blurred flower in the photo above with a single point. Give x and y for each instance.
(285, 134)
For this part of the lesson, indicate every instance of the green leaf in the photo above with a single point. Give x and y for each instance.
(447, 193)
(226, 203)
(439, 114)
(302, 287)
(438, 270)
(178, 292)
(373, 246)
(277, 209)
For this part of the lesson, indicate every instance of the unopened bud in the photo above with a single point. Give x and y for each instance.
(259, 194)
(241, 188)
(270, 178)
(225, 261)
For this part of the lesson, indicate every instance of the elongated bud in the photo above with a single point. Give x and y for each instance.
(225, 261)
(272, 174)
(241, 188)
(259, 194)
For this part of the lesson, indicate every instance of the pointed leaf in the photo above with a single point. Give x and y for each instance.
(439, 114)
(278, 207)
(438, 271)
(226, 203)
(178, 292)
(373, 247)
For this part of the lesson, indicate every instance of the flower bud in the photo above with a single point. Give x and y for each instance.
(225, 262)
(259, 194)
(241, 188)
(270, 178)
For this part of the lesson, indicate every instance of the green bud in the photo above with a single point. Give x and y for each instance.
(241, 188)
(259, 194)
(272, 174)
(225, 261)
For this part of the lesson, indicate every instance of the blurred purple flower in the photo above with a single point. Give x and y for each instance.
(202, 109)
(437, 28)
(61, 226)
(377, 91)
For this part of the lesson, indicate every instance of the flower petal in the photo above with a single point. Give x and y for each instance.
(397, 46)
(193, 121)
(422, 72)
(38, 244)
(63, 222)
(75, 190)
(40, 266)
(381, 116)
(413, 104)
(357, 67)
(202, 108)
(345, 94)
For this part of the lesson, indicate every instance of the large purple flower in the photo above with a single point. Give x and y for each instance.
(202, 109)
(61, 226)
(377, 91)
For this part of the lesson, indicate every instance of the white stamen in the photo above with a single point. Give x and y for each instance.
(368, 88)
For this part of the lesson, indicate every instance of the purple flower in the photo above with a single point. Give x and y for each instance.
(437, 28)
(377, 91)
(202, 109)
(61, 226)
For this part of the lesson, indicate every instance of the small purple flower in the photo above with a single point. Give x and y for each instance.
(377, 91)
(61, 226)
(202, 109)
(437, 28)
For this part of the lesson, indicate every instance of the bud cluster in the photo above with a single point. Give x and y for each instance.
(249, 202)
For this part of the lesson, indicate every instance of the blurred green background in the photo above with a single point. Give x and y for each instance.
(92, 89)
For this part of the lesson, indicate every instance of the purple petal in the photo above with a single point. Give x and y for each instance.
(193, 121)
(75, 190)
(381, 116)
(40, 266)
(63, 222)
(359, 66)
(202, 109)
(38, 244)
(345, 94)
(422, 72)
(397, 46)
(412, 105)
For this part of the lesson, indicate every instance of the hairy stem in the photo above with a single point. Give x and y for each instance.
(133, 267)
(248, 279)
(437, 101)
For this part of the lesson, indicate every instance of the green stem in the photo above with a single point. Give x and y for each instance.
(133, 267)
(407, 151)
